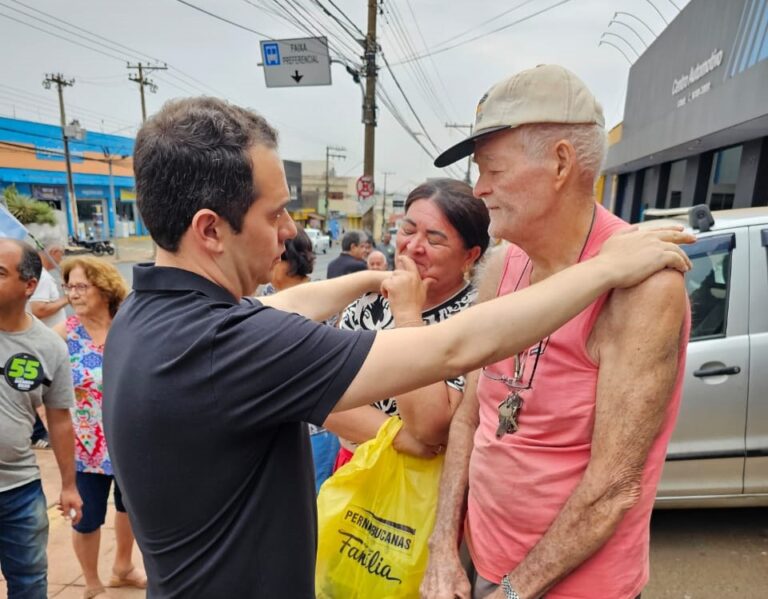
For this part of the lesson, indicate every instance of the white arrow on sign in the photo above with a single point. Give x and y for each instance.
(296, 62)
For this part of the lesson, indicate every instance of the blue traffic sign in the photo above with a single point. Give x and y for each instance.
(271, 54)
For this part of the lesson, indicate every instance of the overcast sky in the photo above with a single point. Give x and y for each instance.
(207, 56)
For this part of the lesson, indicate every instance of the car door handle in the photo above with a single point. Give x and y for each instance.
(704, 372)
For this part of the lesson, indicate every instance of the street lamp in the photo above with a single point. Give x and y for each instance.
(622, 38)
(609, 43)
(632, 29)
(656, 8)
(636, 18)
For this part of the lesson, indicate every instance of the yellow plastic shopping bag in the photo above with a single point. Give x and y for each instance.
(375, 515)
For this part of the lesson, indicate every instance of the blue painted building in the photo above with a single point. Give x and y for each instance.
(32, 159)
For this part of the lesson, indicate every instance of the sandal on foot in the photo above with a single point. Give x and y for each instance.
(94, 592)
(132, 578)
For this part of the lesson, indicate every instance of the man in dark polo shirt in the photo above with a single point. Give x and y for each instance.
(351, 259)
(205, 393)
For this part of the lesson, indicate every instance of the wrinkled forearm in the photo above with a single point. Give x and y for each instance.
(62, 439)
(585, 523)
(319, 300)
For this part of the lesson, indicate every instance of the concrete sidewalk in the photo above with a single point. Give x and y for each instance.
(65, 580)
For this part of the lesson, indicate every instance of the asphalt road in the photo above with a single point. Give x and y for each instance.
(709, 554)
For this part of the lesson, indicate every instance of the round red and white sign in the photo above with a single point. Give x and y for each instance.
(365, 186)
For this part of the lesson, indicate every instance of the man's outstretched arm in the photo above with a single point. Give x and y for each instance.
(320, 300)
(504, 326)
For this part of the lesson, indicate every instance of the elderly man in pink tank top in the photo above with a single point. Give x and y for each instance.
(559, 449)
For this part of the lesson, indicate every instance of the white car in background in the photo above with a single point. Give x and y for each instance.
(320, 242)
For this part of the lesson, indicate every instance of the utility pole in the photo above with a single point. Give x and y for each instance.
(329, 153)
(369, 102)
(384, 204)
(142, 80)
(60, 82)
(112, 212)
(467, 178)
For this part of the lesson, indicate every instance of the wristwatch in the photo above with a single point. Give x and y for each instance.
(506, 586)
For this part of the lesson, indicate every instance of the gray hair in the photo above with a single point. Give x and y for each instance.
(30, 266)
(352, 238)
(589, 142)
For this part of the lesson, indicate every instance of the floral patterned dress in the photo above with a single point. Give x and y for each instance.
(86, 358)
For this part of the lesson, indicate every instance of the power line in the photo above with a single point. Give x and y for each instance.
(220, 18)
(86, 31)
(302, 19)
(112, 46)
(493, 19)
(25, 106)
(440, 80)
(417, 72)
(56, 25)
(23, 94)
(66, 39)
(336, 20)
(388, 104)
(477, 37)
(343, 14)
(75, 42)
(408, 102)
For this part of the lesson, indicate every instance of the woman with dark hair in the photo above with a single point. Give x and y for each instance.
(445, 232)
(295, 266)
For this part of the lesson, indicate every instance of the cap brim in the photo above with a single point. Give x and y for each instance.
(466, 147)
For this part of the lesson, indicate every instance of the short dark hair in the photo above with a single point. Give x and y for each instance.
(299, 254)
(30, 265)
(350, 238)
(467, 214)
(191, 155)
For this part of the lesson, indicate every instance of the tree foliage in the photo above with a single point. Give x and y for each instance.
(27, 210)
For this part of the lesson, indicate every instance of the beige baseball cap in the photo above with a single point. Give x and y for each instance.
(547, 93)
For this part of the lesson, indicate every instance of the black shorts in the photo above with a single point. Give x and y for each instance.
(94, 491)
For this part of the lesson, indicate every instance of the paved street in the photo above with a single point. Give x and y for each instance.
(709, 554)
